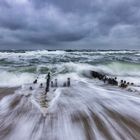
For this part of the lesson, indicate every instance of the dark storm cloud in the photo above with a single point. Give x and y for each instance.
(96, 24)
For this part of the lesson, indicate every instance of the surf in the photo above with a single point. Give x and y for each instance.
(88, 109)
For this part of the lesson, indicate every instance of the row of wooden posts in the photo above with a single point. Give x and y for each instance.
(53, 83)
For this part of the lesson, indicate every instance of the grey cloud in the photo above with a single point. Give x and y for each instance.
(68, 6)
(95, 24)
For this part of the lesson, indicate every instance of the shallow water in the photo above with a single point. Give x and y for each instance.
(87, 110)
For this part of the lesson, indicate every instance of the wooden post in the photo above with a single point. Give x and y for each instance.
(47, 83)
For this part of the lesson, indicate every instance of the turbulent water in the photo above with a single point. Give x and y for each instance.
(87, 110)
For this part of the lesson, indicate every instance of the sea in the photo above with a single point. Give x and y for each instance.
(87, 110)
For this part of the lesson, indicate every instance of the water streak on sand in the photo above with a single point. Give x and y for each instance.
(80, 112)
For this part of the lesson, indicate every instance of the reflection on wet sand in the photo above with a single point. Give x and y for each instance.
(7, 91)
(73, 113)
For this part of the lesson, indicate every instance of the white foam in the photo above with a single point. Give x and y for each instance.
(30, 54)
(15, 79)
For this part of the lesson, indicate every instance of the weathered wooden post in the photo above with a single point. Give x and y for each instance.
(68, 82)
(51, 83)
(47, 83)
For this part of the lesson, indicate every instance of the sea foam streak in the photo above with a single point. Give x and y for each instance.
(83, 111)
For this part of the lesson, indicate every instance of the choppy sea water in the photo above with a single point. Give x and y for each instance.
(88, 110)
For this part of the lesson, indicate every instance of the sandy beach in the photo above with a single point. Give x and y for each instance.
(5, 91)
(90, 116)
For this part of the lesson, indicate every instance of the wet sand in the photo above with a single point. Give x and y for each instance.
(4, 91)
(73, 114)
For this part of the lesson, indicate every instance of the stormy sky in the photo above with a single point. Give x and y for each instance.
(69, 24)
